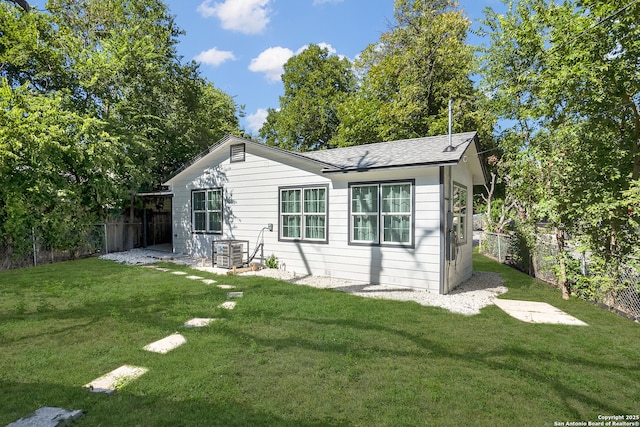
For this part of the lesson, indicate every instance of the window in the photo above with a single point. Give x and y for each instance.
(206, 206)
(459, 225)
(303, 213)
(382, 213)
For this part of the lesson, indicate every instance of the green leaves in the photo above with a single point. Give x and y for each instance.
(567, 74)
(399, 87)
(315, 84)
(95, 105)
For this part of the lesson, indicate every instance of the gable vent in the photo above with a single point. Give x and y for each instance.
(237, 153)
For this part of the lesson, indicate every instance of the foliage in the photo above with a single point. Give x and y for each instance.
(95, 105)
(399, 87)
(564, 74)
(272, 262)
(54, 166)
(409, 76)
(315, 83)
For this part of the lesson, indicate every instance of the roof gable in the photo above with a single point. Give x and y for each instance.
(229, 140)
(427, 151)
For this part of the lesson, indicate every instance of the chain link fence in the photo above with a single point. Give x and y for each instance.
(34, 249)
(542, 263)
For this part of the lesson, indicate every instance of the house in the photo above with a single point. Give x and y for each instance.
(394, 213)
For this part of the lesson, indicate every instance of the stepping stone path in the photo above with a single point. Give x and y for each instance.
(235, 294)
(537, 312)
(110, 382)
(48, 416)
(229, 305)
(198, 322)
(165, 345)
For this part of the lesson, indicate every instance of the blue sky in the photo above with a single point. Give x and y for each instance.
(242, 44)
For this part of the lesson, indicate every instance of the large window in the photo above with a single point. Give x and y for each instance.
(459, 225)
(382, 213)
(206, 207)
(303, 213)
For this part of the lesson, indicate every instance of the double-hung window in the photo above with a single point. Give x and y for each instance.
(382, 213)
(459, 225)
(303, 213)
(206, 207)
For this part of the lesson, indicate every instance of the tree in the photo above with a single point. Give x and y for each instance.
(315, 84)
(566, 74)
(112, 107)
(54, 168)
(409, 76)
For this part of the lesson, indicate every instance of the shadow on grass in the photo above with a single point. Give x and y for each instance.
(161, 312)
(127, 409)
(507, 357)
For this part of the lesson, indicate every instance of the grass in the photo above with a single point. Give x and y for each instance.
(298, 356)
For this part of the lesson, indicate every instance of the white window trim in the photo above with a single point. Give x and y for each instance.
(380, 215)
(207, 211)
(303, 215)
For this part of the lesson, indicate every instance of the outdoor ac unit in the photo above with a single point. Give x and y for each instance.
(229, 254)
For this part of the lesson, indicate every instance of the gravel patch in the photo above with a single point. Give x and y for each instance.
(144, 256)
(468, 298)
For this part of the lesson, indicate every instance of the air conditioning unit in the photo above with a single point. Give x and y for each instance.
(229, 254)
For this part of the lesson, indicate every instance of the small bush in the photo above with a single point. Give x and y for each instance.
(272, 261)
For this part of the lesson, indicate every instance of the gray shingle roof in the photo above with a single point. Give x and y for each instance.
(406, 152)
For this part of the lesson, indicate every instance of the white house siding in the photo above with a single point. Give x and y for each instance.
(250, 199)
(251, 202)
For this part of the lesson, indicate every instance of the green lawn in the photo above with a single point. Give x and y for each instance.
(299, 356)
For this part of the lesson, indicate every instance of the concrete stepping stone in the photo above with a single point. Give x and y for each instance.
(229, 305)
(537, 312)
(115, 379)
(162, 269)
(166, 344)
(208, 281)
(154, 267)
(195, 277)
(235, 294)
(198, 322)
(48, 416)
(226, 287)
(179, 273)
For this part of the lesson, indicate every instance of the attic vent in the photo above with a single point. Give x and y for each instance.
(237, 153)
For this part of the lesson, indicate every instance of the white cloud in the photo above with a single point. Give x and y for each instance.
(214, 57)
(271, 62)
(245, 16)
(256, 120)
